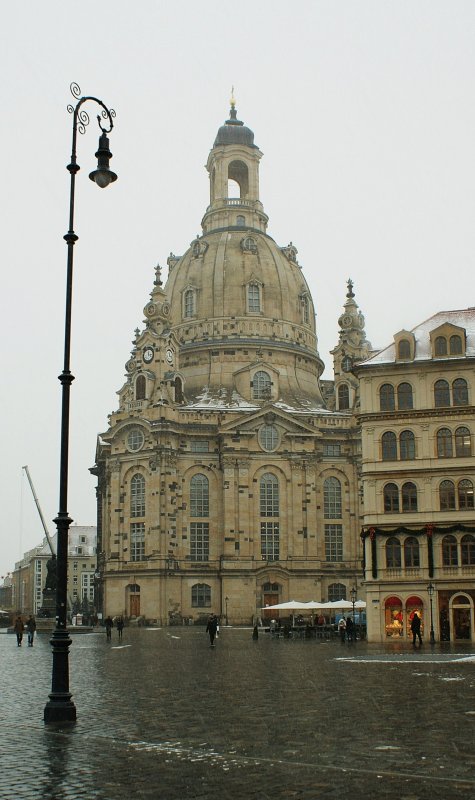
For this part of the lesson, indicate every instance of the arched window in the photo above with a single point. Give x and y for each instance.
(393, 553)
(240, 220)
(343, 396)
(465, 495)
(447, 496)
(332, 498)
(268, 437)
(140, 387)
(407, 446)
(391, 498)
(441, 394)
(449, 552)
(386, 397)
(403, 349)
(444, 443)
(189, 303)
(305, 309)
(463, 442)
(253, 297)
(460, 392)
(178, 390)
(440, 346)
(455, 345)
(199, 496)
(388, 446)
(261, 385)
(200, 595)
(336, 591)
(411, 552)
(409, 496)
(404, 396)
(269, 495)
(137, 496)
(468, 550)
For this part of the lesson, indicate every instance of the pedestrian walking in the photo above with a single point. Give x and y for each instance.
(416, 628)
(19, 628)
(31, 628)
(350, 630)
(109, 623)
(211, 628)
(120, 626)
(342, 629)
(255, 633)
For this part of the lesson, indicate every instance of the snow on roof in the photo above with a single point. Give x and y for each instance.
(464, 318)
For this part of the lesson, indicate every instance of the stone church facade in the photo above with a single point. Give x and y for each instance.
(228, 478)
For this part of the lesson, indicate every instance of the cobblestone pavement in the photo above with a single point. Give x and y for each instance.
(161, 715)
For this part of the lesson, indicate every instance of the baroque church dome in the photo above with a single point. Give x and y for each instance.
(237, 301)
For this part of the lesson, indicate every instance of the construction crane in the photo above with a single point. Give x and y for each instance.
(48, 537)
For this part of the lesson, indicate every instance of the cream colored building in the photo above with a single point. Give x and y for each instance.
(417, 421)
(228, 478)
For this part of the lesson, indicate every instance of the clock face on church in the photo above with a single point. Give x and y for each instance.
(169, 355)
(148, 355)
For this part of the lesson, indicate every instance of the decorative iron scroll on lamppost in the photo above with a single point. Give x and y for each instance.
(60, 707)
(430, 592)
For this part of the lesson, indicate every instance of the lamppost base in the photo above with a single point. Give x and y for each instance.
(432, 637)
(60, 710)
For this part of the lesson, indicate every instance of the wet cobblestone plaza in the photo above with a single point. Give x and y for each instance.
(162, 715)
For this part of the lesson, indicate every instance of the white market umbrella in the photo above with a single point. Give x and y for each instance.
(290, 605)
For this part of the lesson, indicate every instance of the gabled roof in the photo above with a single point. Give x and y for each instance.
(464, 318)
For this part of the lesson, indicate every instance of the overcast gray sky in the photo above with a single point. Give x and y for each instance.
(364, 112)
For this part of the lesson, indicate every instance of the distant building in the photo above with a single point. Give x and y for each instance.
(417, 420)
(29, 576)
(6, 593)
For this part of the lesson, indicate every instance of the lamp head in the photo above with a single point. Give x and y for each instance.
(103, 176)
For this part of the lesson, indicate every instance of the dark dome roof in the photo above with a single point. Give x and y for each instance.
(234, 132)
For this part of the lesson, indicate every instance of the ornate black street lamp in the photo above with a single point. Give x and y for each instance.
(60, 708)
(226, 600)
(430, 592)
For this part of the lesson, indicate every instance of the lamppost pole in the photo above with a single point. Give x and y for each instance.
(60, 707)
(430, 592)
(226, 600)
(353, 594)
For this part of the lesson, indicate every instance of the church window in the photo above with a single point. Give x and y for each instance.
(449, 551)
(269, 495)
(404, 349)
(463, 445)
(270, 541)
(407, 446)
(261, 385)
(253, 297)
(455, 345)
(411, 552)
(200, 595)
(333, 542)
(440, 346)
(336, 591)
(386, 397)
(199, 541)
(332, 498)
(332, 449)
(343, 396)
(389, 446)
(137, 496)
(140, 387)
(465, 495)
(200, 446)
(441, 394)
(460, 392)
(346, 364)
(135, 440)
(199, 496)
(393, 553)
(178, 390)
(248, 244)
(268, 437)
(137, 541)
(189, 303)
(404, 396)
(241, 220)
(444, 443)
(447, 496)
(305, 309)
(468, 550)
(391, 498)
(409, 497)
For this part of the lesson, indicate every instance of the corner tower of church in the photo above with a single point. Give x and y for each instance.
(223, 480)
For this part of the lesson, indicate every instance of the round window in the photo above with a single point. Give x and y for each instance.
(268, 437)
(135, 440)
